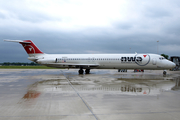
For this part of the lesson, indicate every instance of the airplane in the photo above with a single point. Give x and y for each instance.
(96, 61)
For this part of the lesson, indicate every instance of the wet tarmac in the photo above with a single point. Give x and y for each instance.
(102, 95)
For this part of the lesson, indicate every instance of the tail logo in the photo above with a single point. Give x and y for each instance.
(29, 49)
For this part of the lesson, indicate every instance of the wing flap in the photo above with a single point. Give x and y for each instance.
(72, 64)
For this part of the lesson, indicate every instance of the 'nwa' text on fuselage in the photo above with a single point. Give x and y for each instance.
(131, 59)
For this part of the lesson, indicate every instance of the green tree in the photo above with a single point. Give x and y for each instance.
(164, 55)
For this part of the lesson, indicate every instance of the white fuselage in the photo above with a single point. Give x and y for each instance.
(105, 61)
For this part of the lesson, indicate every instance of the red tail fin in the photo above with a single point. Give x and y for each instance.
(30, 47)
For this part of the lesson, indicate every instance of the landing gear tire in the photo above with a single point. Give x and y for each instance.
(164, 72)
(87, 71)
(81, 71)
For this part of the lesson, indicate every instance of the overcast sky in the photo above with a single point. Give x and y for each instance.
(89, 26)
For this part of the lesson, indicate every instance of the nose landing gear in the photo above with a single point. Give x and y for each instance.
(164, 72)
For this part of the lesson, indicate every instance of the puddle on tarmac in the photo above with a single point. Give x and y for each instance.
(140, 85)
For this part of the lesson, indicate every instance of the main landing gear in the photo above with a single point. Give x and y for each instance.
(87, 71)
(81, 71)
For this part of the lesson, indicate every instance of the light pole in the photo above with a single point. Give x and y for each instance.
(157, 46)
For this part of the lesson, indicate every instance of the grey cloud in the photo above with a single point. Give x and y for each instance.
(12, 52)
(173, 29)
(123, 25)
(157, 12)
(2, 16)
(141, 34)
(32, 16)
(17, 10)
(78, 42)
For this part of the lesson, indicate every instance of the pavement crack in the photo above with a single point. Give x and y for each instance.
(80, 96)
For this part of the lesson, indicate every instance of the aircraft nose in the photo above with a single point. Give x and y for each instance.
(172, 65)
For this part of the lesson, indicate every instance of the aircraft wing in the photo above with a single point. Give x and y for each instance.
(72, 65)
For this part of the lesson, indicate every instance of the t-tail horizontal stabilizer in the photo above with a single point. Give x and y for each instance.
(29, 46)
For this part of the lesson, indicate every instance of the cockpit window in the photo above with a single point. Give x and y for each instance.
(161, 58)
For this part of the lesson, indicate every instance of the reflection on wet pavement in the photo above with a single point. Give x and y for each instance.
(53, 94)
(31, 94)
